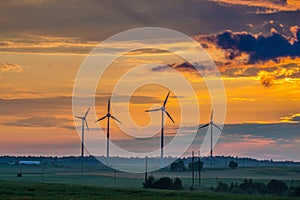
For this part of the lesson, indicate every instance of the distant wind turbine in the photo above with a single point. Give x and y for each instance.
(83, 119)
(108, 116)
(163, 111)
(211, 123)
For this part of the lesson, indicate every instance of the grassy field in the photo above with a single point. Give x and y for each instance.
(91, 182)
(94, 175)
(29, 190)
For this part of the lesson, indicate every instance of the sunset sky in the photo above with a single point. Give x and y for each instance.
(254, 43)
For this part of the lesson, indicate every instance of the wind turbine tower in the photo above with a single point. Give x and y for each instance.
(108, 116)
(163, 112)
(211, 124)
(83, 119)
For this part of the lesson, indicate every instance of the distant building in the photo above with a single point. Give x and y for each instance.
(29, 162)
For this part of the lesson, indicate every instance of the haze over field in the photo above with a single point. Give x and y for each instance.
(255, 44)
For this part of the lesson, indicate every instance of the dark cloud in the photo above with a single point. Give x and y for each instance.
(184, 66)
(97, 20)
(260, 48)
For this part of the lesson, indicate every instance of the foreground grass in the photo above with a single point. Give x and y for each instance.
(29, 190)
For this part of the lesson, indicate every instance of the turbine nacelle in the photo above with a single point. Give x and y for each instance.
(83, 118)
(163, 109)
(108, 115)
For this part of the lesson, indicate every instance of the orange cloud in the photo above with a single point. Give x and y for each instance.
(295, 118)
(270, 5)
(47, 44)
(266, 78)
(10, 67)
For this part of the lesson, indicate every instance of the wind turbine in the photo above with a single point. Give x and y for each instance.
(211, 123)
(83, 119)
(163, 112)
(108, 116)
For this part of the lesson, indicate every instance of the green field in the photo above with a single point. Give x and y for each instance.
(28, 190)
(91, 182)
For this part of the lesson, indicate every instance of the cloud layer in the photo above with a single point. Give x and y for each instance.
(258, 47)
(10, 67)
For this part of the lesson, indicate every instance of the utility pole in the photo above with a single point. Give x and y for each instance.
(146, 169)
(193, 170)
(199, 169)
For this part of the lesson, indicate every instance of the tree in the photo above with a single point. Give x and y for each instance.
(233, 165)
(297, 191)
(177, 184)
(222, 187)
(178, 166)
(163, 183)
(149, 182)
(277, 187)
(196, 165)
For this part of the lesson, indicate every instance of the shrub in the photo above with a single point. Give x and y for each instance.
(163, 183)
(277, 187)
(233, 165)
(222, 187)
(149, 182)
(178, 166)
(177, 184)
(297, 191)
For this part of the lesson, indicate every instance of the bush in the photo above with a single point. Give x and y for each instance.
(249, 187)
(277, 187)
(178, 166)
(222, 187)
(149, 182)
(177, 184)
(233, 165)
(163, 183)
(297, 191)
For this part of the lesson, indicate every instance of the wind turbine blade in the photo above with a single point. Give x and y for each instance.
(108, 106)
(217, 127)
(211, 115)
(153, 110)
(169, 116)
(78, 117)
(87, 125)
(87, 112)
(165, 102)
(203, 126)
(116, 119)
(101, 118)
